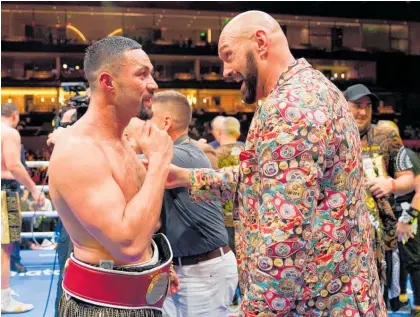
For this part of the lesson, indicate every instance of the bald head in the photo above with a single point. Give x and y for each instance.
(216, 123)
(254, 50)
(251, 21)
(231, 127)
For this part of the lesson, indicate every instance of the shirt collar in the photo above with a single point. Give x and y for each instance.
(181, 139)
(292, 70)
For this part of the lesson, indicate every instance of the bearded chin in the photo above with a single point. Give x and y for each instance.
(250, 95)
(145, 114)
(251, 79)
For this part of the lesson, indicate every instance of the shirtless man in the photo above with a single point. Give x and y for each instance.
(13, 173)
(108, 202)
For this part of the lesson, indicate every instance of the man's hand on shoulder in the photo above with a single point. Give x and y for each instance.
(55, 135)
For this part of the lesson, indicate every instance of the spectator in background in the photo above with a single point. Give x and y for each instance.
(215, 130)
(380, 147)
(228, 155)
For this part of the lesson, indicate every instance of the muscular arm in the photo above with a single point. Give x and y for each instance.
(403, 183)
(403, 180)
(123, 227)
(11, 152)
(415, 203)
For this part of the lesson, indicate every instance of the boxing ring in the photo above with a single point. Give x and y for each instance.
(31, 214)
(34, 285)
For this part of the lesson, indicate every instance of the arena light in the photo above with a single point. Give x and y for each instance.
(9, 100)
(190, 99)
(77, 67)
(65, 66)
(21, 91)
(77, 31)
(115, 32)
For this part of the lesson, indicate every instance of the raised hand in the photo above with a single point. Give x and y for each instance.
(156, 144)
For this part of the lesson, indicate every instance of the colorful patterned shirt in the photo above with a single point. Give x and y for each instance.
(304, 235)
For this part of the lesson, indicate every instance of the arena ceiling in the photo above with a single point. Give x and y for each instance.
(387, 10)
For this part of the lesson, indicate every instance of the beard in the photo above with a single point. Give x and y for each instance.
(250, 79)
(145, 113)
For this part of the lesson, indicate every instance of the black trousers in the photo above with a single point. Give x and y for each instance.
(410, 262)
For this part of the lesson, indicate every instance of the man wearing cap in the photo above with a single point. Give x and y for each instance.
(380, 147)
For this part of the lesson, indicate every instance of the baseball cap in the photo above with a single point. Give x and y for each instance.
(358, 91)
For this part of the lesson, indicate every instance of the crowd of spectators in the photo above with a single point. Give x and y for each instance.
(200, 127)
(411, 133)
(38, 175)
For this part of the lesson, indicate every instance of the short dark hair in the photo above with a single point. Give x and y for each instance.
(178, 106)
(106, 53)
(8, 109)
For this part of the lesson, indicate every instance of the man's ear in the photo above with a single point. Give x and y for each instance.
(106, 82)
(16, 116)
(262, 43)
(167, 124)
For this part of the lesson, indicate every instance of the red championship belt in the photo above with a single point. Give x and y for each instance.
(117, 289)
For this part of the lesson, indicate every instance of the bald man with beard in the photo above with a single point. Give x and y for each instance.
(304, 243)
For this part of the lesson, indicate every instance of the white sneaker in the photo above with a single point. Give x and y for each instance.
(13, 306)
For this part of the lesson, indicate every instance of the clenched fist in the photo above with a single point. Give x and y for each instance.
(156, 144)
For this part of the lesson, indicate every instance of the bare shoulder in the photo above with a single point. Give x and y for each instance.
(8, 132)
(76, 157)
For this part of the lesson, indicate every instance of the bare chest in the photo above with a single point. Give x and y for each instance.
(128, 172)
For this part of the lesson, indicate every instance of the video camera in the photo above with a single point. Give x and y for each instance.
(78, 102)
